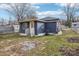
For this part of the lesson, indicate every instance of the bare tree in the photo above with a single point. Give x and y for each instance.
(70, 11)
(2, 21)
(20, 11)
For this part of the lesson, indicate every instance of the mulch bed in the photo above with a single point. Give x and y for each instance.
(67, 51)
(73, 40)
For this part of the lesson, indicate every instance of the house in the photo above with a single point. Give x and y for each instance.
(47, 25)
(75, 26)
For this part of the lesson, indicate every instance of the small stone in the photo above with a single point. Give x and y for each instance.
(42, 48)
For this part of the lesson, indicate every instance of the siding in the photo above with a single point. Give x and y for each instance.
(50, 27)
(75, 27)
(39, 28)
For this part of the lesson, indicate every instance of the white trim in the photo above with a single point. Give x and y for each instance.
(41, 34)
(50, 33)
(59, 33)
(23, 34)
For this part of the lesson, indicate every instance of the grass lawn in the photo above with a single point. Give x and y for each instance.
(46, 45)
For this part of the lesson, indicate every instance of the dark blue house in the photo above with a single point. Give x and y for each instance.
(44, 26)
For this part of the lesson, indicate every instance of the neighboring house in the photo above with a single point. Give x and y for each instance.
(47, 25)
(75, 26)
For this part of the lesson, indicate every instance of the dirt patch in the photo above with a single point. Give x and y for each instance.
(21, 48)
(67, 51)
(73, 40)
(28, 45)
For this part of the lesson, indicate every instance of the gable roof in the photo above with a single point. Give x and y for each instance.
(46, 19)
(50, 19)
